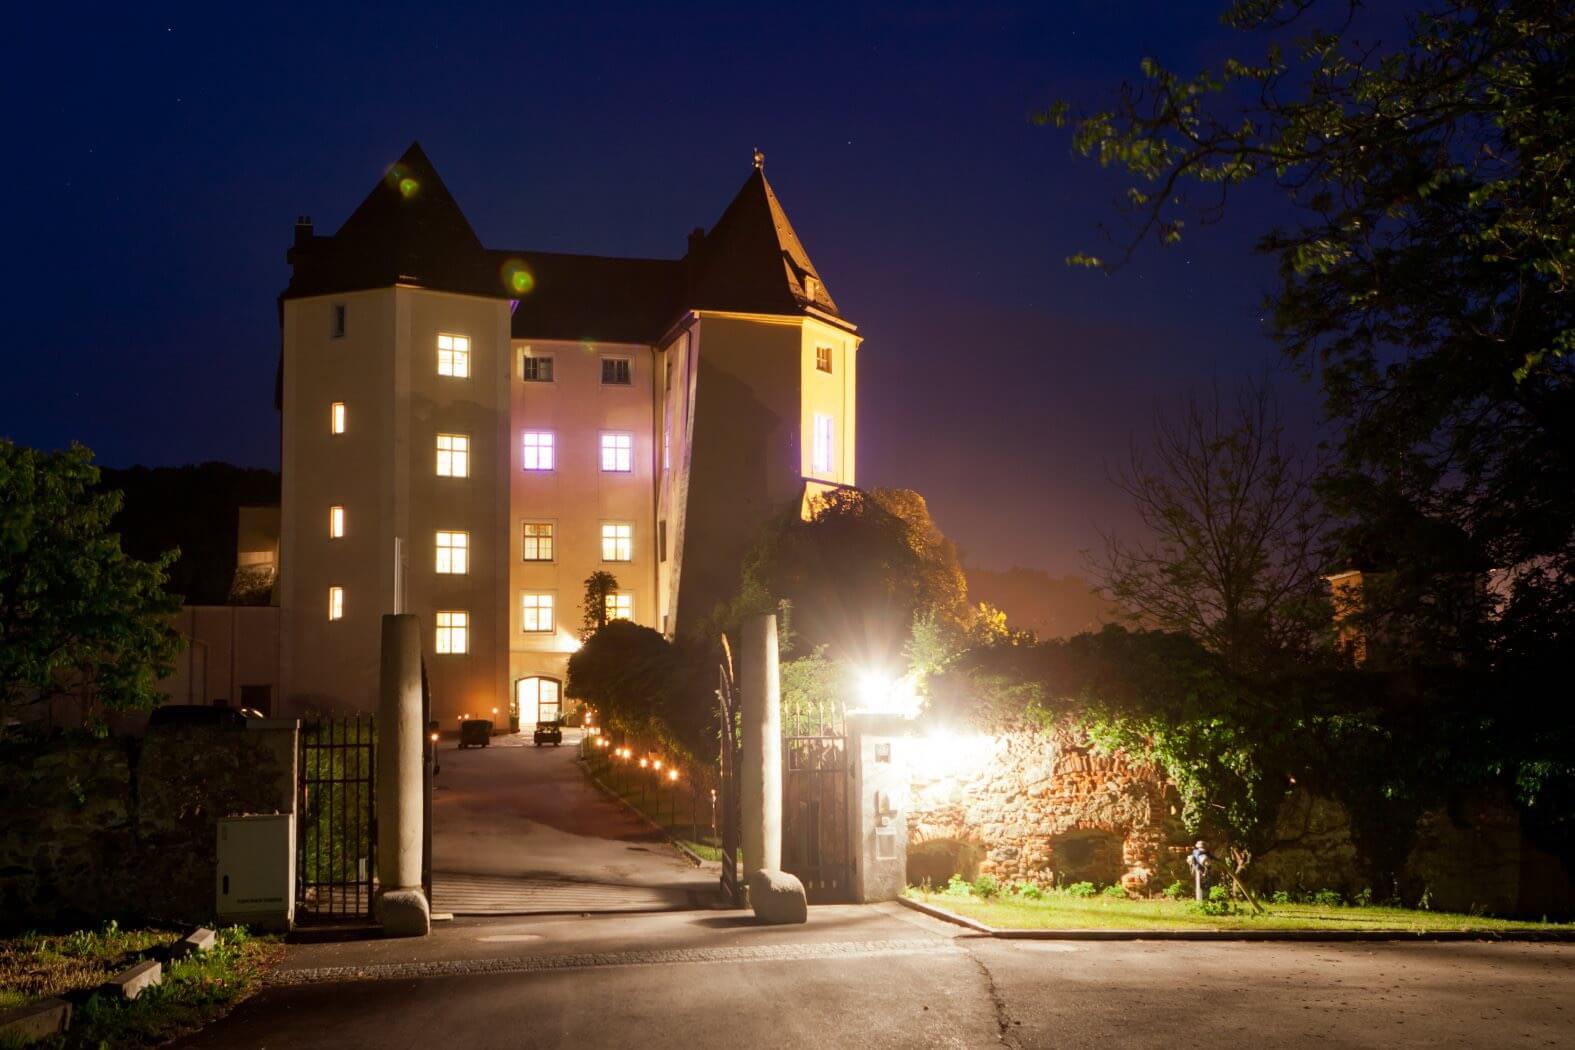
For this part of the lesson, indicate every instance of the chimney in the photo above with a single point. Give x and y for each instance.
(303, 230)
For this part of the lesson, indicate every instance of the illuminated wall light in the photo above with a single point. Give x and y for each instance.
(336, 418)
(336, 522)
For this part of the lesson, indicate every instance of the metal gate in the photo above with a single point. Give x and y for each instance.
(336, 825)
(816, 844)
(730, 810)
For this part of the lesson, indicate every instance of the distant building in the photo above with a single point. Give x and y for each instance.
(469, 433)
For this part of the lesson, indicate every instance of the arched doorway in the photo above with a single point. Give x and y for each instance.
(537, 699)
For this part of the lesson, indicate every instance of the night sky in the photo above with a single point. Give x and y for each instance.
(162, 153)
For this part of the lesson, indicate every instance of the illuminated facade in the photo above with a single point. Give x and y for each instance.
(469, 433)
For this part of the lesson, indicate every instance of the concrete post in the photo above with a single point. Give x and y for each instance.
(760, 789)
(878, 747)
(401, 905)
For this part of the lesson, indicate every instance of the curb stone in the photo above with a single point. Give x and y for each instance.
(1303, 936)
(134, 980)
(36, 1020)
(196, 942)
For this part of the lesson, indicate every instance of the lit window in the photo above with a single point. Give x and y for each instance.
(453, 456)
(821, 461)
(812, 290)
(336, 522)
(536, 610)
(538, 541)
(453, 553)
(618, 453)
(453, 632)
(336, 418)
(667, 447)
(615, 371)
(617, 541)
(823, 358)
(536, 369)
(539, 450)
(336, 603)
(339, 321)
(454, 356)
(620, 606)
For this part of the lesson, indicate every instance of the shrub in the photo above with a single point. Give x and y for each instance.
(1281, 897)
(1115, 891)
(957, 886)
(1217, 903)
(1327, 899)
(1080, 889)
(1030, 891)
(1176, 891)
(1363, 899)
(986, 886)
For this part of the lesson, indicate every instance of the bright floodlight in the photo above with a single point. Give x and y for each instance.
(882, 693)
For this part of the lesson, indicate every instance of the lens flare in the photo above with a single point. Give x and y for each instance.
(516, 277)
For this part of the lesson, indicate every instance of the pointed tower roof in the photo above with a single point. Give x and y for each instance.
(752, 260)
(408, 230)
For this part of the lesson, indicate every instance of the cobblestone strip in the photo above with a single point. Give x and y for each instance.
(660, 957)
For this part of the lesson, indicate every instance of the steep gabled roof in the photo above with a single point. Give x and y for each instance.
(752, 260)
(408, 230)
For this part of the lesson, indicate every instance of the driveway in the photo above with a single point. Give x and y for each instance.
(518, 829)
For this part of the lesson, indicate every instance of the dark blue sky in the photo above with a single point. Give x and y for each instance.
(163, 151)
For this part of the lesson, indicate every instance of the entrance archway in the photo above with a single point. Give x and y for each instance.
(537, 699)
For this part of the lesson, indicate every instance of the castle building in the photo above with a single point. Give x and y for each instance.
(469, 433)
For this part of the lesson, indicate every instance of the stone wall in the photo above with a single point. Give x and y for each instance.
(1031, 805)
(125, 827)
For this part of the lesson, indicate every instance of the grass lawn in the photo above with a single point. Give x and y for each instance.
(71, 965)
(1062, 912)
(684, 816)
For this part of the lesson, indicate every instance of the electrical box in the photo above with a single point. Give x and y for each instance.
(255, 881)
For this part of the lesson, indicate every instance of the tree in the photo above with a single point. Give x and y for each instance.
(77, 615)
(1233, 552)
(643, 685)
(599, 586)
(1426, 277)
(857, 574)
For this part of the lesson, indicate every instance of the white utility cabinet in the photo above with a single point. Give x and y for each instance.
(255, 881)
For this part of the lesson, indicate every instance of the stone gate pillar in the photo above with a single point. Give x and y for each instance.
(401, 905)
(760, 786)
(878, 805)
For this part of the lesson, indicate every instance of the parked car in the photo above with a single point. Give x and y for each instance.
(475, 732)
(549, 733)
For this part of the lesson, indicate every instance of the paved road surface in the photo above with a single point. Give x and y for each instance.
(885, 976)
(518, 829)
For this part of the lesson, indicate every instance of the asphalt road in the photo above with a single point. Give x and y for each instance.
(887, 977)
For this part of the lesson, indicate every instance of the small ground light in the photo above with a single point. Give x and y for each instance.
(643, 763)
(672, 774)
(658, 763)
(434, 738)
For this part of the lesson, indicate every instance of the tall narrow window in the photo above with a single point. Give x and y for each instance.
(453, 355)
(824, 453)
(336, 418)
(338, 330)
(536, 613)
(620, 606)
(617, 541)
(618, 453)
(453, 632)
(336, 603)
(453, 455)
(536, 369)
(615, 371)
(336, 522)
(537, 541)
(823, 358)
(539, 450)
(453, 553)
